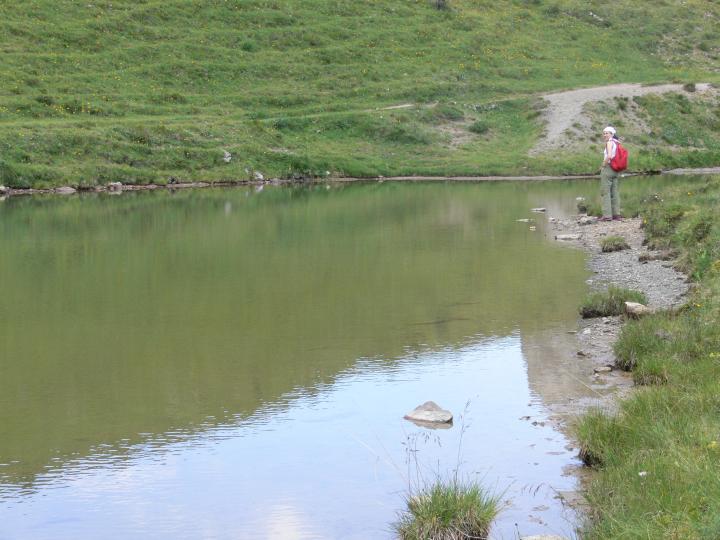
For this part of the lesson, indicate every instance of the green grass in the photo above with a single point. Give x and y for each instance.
(141, 91)
(610, 302)
(657, 458)
(613, 243)
(448, 511)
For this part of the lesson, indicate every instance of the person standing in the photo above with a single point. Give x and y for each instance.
(609, 190)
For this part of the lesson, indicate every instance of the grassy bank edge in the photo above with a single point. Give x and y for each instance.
(657, 457)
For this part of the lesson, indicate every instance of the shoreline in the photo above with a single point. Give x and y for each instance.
(665, 287)
(117, 187)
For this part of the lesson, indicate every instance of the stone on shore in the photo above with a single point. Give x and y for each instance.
(603, 369)
(65, 190)
(538, 210)
(636, 310)
(567, 237)
(114, 186)
(430, 413)
(587, 220)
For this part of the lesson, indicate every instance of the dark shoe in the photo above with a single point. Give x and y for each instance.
(605, 218)
(617, 217)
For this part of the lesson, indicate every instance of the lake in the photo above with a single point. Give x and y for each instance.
(236, 363)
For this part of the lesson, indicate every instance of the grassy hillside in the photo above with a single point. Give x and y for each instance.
(138, 91)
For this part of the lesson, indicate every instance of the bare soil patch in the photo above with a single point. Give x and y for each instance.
(566, 117)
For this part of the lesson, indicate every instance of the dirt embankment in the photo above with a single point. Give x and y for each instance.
(566, 109)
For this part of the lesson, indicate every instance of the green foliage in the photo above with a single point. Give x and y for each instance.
(265, 80)
(613, 243)
(480, 127)
(610, 302)
(595, 431)
(659, 454)
(8, 175)
(651, 371)
(448, 510)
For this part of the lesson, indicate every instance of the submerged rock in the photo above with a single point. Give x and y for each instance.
(430, 414)
(539, 210)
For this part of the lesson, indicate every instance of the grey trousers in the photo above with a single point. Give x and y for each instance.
(609, 192)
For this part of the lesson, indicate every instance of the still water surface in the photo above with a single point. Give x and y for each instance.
(237, 363)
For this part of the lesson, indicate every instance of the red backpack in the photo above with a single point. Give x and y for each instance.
(619, 162)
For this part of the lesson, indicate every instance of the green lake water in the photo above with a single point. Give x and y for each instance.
(236, 363)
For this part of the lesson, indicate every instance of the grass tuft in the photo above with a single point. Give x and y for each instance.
(613, 243)
(448, 511)
(610, 302)
(650, 371)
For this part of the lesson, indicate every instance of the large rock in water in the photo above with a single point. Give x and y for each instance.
(429, 414)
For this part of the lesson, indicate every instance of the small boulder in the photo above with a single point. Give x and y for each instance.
(603, 369)
(429, 413)
(635, 310)
(258, 176)
(567, 237)
(227, 156)
(538, 210)
(114, 187)
(65, 190)
(4, 190)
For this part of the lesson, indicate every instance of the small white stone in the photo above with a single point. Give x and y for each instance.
(603, 369)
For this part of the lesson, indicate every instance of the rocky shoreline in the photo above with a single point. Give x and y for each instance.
(633, 268)
(173, 184)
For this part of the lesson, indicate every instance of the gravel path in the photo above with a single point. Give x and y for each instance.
(664, 286)
(566, 108)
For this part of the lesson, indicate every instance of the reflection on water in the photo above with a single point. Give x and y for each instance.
(333, 464)
(232, 364)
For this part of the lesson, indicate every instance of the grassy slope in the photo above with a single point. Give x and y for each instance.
(137, 91)
(658, 458)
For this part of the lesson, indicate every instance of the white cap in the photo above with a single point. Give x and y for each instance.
(610, 130)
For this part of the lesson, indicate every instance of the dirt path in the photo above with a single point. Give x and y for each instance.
(566, 108)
